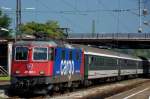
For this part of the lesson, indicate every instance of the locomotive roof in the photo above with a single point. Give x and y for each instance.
(46, 43)
(104, 51)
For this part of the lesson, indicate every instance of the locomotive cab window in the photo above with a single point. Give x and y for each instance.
(40, 53)
(21, 53)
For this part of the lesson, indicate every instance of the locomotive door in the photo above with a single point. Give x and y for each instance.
(57, 62)
(119, 67)
(77, 59)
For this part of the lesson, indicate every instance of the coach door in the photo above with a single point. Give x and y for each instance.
(86, 66)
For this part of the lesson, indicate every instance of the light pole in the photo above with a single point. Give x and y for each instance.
(145, 12)
(18, 11)
(146, 23)
(4, 32)
(142, 12)
(4, 29)
(6, 8)
(18, 17)
(140, 18)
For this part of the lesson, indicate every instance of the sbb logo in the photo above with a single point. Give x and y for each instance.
(29, 66)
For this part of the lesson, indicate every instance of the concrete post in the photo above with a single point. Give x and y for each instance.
(9, 57)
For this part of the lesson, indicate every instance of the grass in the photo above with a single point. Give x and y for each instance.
(4, 78)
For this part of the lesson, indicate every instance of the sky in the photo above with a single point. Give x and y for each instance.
(110, 16)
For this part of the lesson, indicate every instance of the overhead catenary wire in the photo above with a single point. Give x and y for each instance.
(65, 18)
(119, 10)
(74, 10)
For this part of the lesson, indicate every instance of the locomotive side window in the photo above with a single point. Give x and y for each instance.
(40, 53)
(21, 53)
(51, 54)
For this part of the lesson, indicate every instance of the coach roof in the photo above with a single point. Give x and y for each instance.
(89, 49)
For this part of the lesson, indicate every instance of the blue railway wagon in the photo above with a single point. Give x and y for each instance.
(67, 66)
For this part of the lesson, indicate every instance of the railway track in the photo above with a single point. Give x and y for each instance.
(103, 90)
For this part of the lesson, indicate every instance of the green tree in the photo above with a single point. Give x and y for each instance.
(4, 23)
(51, 28)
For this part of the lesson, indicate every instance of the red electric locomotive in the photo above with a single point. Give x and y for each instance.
(41, 66)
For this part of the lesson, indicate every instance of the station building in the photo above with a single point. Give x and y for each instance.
(5, 56)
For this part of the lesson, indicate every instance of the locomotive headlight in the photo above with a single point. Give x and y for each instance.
(17, 72)
(42, 72)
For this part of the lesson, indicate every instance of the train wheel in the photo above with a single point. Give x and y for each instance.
(119, 78)
(71, 89)
(50, 92)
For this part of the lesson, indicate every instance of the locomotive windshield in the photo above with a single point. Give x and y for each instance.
(40, 53)
(21, 53)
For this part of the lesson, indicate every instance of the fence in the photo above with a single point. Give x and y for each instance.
(110, 35)
(3, 72)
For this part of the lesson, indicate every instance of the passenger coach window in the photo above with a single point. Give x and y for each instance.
(21, 53)
(40, 53)
(91, 59)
